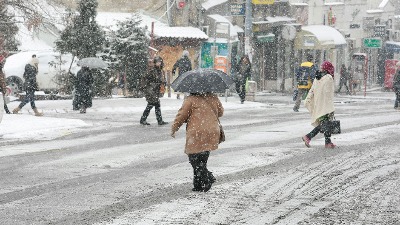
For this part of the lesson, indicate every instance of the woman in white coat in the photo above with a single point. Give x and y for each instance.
(319, 103)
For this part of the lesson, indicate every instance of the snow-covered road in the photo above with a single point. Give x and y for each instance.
(103, 168)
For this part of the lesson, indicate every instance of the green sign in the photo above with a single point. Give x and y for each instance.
(372, 43)
(266, 38)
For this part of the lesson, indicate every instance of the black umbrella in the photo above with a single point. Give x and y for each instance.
(202, 81)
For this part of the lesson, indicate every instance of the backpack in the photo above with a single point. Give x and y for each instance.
(305, 76)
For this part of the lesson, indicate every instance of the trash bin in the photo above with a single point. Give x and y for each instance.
(251, 90)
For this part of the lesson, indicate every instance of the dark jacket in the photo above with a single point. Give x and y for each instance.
(30, 78)
(243, 72)
(396, 82)
(83, 87)
(151, 84)
(344, 74)
(183, 64)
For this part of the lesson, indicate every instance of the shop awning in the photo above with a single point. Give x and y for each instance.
(319, 37)
(179, 32)
(393, 46)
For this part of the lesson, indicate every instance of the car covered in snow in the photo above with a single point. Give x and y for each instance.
(53, 68)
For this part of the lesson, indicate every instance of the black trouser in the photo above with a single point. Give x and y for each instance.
(29, 97)
(148, 109)
(201, 175)
(343, 82)
(241, 90)
(317, 130)
(397, 101)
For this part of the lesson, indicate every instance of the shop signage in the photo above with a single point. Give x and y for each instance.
(266, 38)
(238, 9)
(379, 30)
(263, 2)
(372, 43)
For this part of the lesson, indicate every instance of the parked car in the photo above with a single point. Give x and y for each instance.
(52, 67)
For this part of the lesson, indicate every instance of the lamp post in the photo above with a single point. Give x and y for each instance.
(248, 28)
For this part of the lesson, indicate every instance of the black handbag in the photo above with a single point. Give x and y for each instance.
(331, 126)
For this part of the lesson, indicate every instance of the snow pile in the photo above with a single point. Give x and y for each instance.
(38, 128)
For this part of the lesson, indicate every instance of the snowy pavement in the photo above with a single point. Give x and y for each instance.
(265, 175)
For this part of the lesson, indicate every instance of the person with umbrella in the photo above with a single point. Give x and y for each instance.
(31, 70)
(201, 111)
(151, 83)
(83, 86)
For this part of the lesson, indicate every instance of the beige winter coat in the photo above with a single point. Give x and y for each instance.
(202, 129)
(319, 100)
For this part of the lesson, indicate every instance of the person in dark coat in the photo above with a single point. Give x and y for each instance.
(344, 77)
(396, 86)
(30, 85)
(83, 90)
(243, 72)
(183, 64)
(151, 83)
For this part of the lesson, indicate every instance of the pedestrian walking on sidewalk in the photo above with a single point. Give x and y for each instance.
(83, 90)
(201, 112)
(30, 85)
(305, 76)
(396, 86)
(183, 65)
(344, 77)
(243, 73)
(319, 103)
(151, 83)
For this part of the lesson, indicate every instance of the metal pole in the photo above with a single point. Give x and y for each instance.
(248, 28)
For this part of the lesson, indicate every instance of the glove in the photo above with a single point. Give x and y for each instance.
(173, 134)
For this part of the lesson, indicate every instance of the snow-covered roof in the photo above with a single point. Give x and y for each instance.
(333, 3)
(383, 4)
(211, 3)
(270, 19)
(372, 11)
(110, 20)
(299, 4)
(238, 29)
(219, 18)
(326, 34)
(179, 32)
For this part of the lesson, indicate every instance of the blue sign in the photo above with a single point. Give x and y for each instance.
(238, 9)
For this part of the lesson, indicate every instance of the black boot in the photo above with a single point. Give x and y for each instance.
(158, 116)
(144, 122)
(145, 115)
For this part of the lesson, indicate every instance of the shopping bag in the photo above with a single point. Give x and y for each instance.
(221, 134)
(331, 126)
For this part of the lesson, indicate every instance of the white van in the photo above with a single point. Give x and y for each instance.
(48, 78)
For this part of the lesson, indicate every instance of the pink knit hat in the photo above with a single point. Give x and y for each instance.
(327, 66)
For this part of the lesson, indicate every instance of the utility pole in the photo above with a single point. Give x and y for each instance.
(248, 29)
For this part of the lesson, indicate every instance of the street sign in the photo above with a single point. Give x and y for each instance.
(372, 43)
(263, 2)
(266, 38)
(238, 9)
